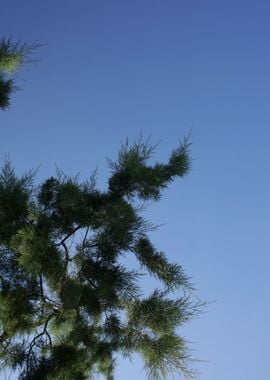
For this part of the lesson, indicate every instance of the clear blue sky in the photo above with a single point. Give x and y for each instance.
(112, 69)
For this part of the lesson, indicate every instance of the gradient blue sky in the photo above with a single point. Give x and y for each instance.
(112, 69)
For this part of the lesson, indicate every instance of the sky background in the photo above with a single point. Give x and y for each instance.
(109, 70)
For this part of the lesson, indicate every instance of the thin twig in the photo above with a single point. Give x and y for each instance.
(85, 237)
(66, 251)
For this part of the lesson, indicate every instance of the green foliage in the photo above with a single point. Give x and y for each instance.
(161, 315)
(12, 56)
(171, 275)
(7, 87)
(68, 304)
(15, 192)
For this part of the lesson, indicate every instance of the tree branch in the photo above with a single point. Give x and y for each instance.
(33, 342)
(70, 234)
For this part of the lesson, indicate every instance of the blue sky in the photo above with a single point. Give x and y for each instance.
(109, 70)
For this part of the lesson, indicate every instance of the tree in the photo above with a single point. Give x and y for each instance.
(68, 304)
(12, 56)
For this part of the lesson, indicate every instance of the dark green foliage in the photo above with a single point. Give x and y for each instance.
(12, 56)
(171, 275)
(15, 192)
(7, 87)
(68, 304)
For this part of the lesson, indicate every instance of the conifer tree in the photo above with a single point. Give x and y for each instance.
(69, 306)
(12, 57)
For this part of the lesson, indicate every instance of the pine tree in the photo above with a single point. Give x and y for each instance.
(12, 56)
(68, 303)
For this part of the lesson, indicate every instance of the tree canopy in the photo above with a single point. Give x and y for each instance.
(68, 303)
(12, 56)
